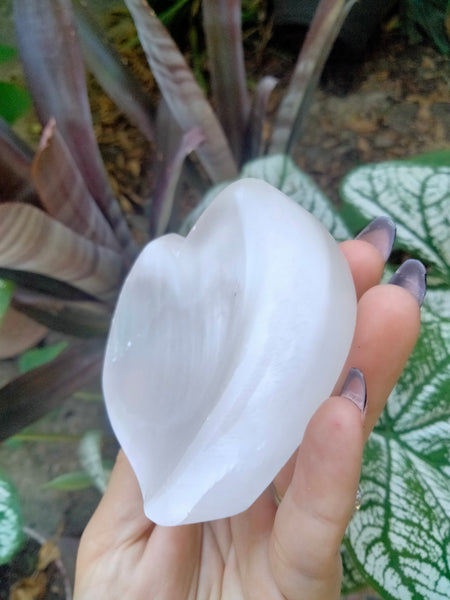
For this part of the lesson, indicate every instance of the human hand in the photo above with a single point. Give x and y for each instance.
(284, 552)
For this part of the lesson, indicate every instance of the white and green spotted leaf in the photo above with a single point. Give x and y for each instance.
(10, 521)
(417, 197)
(280, 171)
(352, 579)
(401, 536)
(90, 456)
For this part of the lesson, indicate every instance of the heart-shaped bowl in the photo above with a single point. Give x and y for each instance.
(222, 346)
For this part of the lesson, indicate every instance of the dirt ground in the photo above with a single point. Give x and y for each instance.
(394, 102)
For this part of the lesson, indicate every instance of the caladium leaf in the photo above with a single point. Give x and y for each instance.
(324, 29)
(79, 319)
(281, 172)
(30, 396)
(222, 27)
(90, 456)
(417, 197)
(11, 535)
(183, 95)
(400, 536)
(51, 57)
(118, 82)
(63, 192)
(352, 579)
(64, 254)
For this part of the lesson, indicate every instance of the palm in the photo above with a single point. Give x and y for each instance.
(288, 552)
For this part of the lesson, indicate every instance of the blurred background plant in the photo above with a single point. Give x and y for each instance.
(66, 242)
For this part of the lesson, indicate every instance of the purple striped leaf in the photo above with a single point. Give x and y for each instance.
(164, 195)
(118, 82)
(15, 163)
(30, 240)
(63, 191)
(51, 57)
(183, 95)
(76, 318)
(324, 29)
(30, 396)
(222, 26)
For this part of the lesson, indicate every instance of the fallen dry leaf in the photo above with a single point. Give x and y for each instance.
(30, 588)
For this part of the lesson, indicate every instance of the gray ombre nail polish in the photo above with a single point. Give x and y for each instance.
(381, 234)
(354, 389)
(412, 276)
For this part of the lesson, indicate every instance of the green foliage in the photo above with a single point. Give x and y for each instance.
(7, 53)
(431, 17)
(31, 359)
(11, 536)
(6, 292)
(15, 101)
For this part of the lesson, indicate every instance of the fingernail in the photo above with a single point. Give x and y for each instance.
(412, 276)
(354, 389)
(381, 234)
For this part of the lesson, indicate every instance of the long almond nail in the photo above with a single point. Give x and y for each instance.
(412, 276)
(354, 389)
(381, 234)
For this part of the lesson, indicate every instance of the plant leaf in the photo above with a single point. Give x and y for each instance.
(352, 580)
(15, 101)
(64, 254)
(417, 198)
(11, 536)
(90, 456)
(63, 191)
(51, 57)
(40, 356)
(69, 482)
(15, 162)
(181, 92)
(18, 333)
(30, 396)
(324, 29)
(79, 319)
(164, 195)
(117, 81)
(6, 292)
(281, 172)
(7, 53)
(400, 536)
(253, 138)
(46, 285)
(222, 27)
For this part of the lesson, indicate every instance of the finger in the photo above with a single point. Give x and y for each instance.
(119, 517)
(367, 254)
(365, 262)
(387, 326)
(319, 502)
